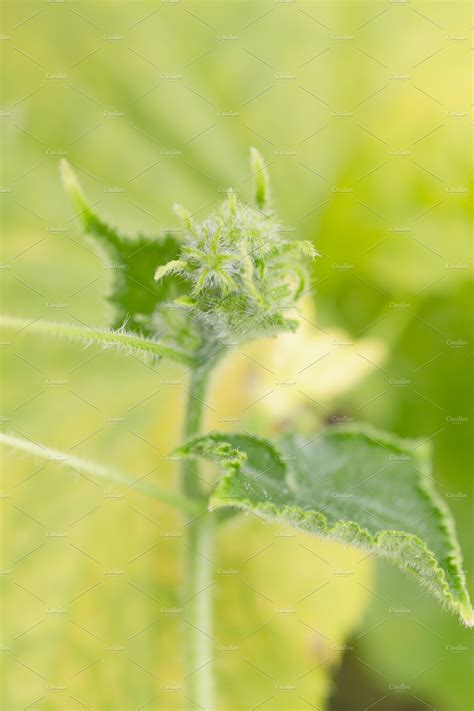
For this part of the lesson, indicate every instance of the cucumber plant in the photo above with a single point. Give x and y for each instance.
(191, 298)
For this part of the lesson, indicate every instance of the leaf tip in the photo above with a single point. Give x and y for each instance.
(72, 187)
(160, 272)
(184, 215)
(467, 616)
(175, 266)
(260, 177)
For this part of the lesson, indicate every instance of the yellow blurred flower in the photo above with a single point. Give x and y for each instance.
(279, 377)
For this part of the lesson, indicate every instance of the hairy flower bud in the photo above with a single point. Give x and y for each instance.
(242, 274)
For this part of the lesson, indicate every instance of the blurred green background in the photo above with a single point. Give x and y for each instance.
(361, 110)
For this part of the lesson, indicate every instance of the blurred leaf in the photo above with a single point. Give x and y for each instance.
(281, 636)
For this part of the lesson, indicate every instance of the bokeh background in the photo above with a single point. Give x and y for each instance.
(361, 110)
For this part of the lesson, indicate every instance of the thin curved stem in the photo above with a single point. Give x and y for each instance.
(97, 471)
(117, 340)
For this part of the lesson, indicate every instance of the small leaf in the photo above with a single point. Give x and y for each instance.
(358, 486)
(176, 266)
(132, 262)
(121, 341)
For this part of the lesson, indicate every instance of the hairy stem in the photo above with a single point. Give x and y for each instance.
(121, 341)
(200, 536)
(99, 472)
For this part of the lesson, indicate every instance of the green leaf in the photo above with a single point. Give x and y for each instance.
(357, 486)
(121, 341)
(132, 262)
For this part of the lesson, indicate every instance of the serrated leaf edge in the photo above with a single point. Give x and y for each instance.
(386, 543)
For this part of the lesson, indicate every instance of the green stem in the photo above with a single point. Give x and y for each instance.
(117, 340)
(97, 471)
(198, 602)
(192, 425)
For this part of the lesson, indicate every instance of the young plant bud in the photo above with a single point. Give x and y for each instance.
(243, 275)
